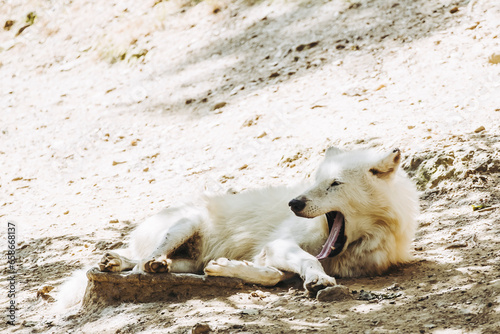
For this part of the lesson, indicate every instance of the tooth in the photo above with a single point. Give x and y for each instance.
(333, 248)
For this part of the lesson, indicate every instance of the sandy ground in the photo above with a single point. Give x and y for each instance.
(112, 110)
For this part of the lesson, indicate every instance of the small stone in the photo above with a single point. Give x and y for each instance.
(44, 290)
(367, 295)
(395, 287)
(457, 245)
(201, 329)
(8, 24)
(334, 293)
(29, 323)
(250, 311)
(479, 129)
(113, 221)
(454, 10)
(237, 89)
(258, 293)
(494, 58)
(219, 105)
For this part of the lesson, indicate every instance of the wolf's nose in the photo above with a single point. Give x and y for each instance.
(297, 205)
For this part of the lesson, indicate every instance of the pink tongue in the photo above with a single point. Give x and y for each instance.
(334, 234)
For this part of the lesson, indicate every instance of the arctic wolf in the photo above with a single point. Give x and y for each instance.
(357, 218)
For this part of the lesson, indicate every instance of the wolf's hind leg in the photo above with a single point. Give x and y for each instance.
(174, 237)
(115, 262)
(247, 271)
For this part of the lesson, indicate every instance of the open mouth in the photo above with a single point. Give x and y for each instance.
(336, 238)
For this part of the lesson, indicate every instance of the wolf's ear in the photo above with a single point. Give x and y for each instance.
(332, 151)
(387, 166)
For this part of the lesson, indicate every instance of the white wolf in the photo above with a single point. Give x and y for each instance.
(356, 219)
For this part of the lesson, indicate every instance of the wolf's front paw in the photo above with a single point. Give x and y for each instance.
(315, 282)
(220, 267)
(160, 265)
(111, 262)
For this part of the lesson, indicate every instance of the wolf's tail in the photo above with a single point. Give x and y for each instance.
(72, 291)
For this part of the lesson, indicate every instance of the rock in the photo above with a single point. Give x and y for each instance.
(219, 105)
(395, 287)
(308, 46)
(454, 10)
(367, 295)
(29, 323)
(258, 294)
(8, 24)
(250, 311)
(479, 129)
(237, 89)
(43, 293)
(494, 58)
(334, 293)
(201, 328)
(457, 245)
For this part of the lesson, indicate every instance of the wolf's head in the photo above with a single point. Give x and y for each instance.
(364, 186)
(347, 182)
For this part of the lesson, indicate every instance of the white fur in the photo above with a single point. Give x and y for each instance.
(264, 240)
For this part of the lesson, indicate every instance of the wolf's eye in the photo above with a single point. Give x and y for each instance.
(335, 183)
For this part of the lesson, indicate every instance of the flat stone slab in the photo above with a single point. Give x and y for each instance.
(106, 288)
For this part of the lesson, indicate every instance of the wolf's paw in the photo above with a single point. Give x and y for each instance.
(160, 265)
(247, 271)
(111, 262)
(223, 267)
(316, 282)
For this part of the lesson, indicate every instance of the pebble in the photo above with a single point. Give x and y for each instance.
(219, 105)
(480, 129)
(494, 58)
(250, 311)
(29, 323)
(334, 293)
(201, 328)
